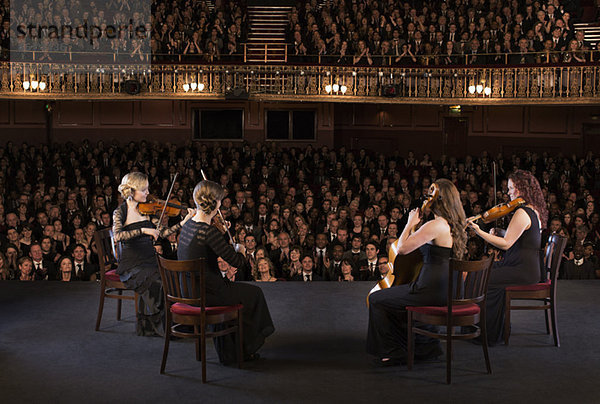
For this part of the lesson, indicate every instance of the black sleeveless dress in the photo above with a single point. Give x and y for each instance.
(386, 336)
(520, 266)
(198, 240)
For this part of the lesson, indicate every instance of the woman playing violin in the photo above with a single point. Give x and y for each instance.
(521, 243)
(137, 263)
(438, 240)
(198, 239)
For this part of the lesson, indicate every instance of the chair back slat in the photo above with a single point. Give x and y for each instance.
(553, 259)
(468, 280)
(107, 252)
(183, 281)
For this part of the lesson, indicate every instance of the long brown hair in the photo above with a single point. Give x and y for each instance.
(449, 206)
(529, 189)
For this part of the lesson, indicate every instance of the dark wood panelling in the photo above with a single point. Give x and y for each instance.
(116, 113)
(29, 112)
(343, 114)
(477, 119)
(4, 112)
(548, 119)
(426, 116)
(397, 116)
(505, 119)
(155, 112)
(366, 115)
(75, 113)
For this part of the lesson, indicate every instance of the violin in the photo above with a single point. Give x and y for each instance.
(408, 266)
(154, 207)
(498, 211)
(220, 224)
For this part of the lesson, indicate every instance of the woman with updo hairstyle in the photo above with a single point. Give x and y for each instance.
(198, 239)
(521, 243)
(137, 263)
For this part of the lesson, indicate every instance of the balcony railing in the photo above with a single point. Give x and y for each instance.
(454, 84)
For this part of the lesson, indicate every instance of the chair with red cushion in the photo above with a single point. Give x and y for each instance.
(543, 291)
(185, 298)
(111, 286)
(467, 288)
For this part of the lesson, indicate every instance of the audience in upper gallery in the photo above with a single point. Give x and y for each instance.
(302, 213)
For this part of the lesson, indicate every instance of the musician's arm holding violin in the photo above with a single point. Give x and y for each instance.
(164, 232)
(408, 242)
(518, 224)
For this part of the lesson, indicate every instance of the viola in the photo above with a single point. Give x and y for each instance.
(498, 211)
(154, 207)
(405, 268)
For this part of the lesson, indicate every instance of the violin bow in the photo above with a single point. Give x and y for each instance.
(162, 214)
(220, 214)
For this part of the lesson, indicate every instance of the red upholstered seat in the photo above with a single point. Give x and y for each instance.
(187, 310)
(530, 288)
(457, 310)
(112, 276)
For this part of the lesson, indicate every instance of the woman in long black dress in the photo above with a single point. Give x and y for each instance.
(199, 239)
(521, 262)
(438, 240)
(137, 268)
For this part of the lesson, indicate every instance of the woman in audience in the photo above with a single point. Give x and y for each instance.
(66, 271)
(265, 271)
(5, 273)
(26, 269)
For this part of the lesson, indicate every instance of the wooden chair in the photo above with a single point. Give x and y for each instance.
(467, 288)
(185, 304)
(111, 286)
(543, 291)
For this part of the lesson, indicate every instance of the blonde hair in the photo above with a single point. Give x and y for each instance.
(449, 206)
(256, 272)
(207, 194)
(132, 182)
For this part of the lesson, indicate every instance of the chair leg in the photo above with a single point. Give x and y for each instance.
(507, 301)
(203, 349)
(548, 321)
(119, 304)
(448, 356)
(100, 307)
(410, 341)
(166, 348)
(484, 342)
(136, 297)
(197, 343)
(240, 336)
(554, 323)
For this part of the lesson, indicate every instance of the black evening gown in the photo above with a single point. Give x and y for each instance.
(387, 333)
(198, 240)
(138, 270)
(520, 266)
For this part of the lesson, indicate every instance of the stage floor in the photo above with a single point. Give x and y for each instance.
(49, 352)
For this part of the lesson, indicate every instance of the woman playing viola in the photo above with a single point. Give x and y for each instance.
(137, 263)
(521, 243)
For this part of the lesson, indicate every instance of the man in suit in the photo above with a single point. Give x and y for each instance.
(169, 246)
(333, 266)
(355, 254)
(320, 252)
(281, 256)
(307, 274)
(250, 227)
(84, 271)
(43, 269)
(229, 272)
(367, 267)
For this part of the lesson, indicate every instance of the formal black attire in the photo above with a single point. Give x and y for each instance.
(519, 266)
(387, 330)
(198, 239)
